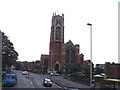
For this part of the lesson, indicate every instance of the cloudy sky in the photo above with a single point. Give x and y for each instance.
(27, 23)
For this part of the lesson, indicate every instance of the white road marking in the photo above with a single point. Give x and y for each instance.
(32, 84)
(57, 85)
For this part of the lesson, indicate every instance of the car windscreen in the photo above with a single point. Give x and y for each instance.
(9, 77)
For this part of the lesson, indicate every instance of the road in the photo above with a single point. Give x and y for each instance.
(34, 81)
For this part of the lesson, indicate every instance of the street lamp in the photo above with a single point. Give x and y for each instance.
(90, 54)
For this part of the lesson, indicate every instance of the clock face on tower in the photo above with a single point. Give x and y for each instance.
(58, 33)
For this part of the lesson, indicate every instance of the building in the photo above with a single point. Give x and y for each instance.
(44, 62)
(25, 65)
(112, 70)
(87, 64)
(60, 52)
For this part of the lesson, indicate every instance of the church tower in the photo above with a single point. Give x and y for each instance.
(56, 41)
(57, 28)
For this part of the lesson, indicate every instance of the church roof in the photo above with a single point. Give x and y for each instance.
(69, 43)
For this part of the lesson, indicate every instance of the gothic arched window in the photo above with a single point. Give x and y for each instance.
(58, 21)
(58, 33)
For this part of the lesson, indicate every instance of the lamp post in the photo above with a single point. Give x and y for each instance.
(90, 54)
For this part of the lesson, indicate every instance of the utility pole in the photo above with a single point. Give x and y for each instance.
(90, 54)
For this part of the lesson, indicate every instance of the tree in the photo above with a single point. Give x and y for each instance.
(86, 69)
(99, 70)
(18, 66)
(71, 68)
(9, 55)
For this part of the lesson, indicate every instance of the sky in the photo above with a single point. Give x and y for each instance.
(27, 23)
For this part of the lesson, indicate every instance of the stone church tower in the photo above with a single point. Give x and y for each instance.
(56, 42)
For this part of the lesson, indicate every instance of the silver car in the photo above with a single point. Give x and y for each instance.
(54, 74)
(47, 82)
(25, 73)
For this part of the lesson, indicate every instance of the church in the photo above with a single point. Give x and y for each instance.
(60, 52)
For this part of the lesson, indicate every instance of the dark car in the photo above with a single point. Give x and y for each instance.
(47, 82)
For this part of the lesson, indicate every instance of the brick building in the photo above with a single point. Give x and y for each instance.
(112, 70)
(60, 52)
(25, 65)
(44, 62)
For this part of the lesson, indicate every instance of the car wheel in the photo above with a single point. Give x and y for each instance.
(50, 85)
(44, 85)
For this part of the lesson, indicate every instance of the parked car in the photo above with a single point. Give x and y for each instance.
(9, 80)
(54, 74)
(25, 73)
(47, 82)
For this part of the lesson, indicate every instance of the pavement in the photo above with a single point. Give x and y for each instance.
(60, 81)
